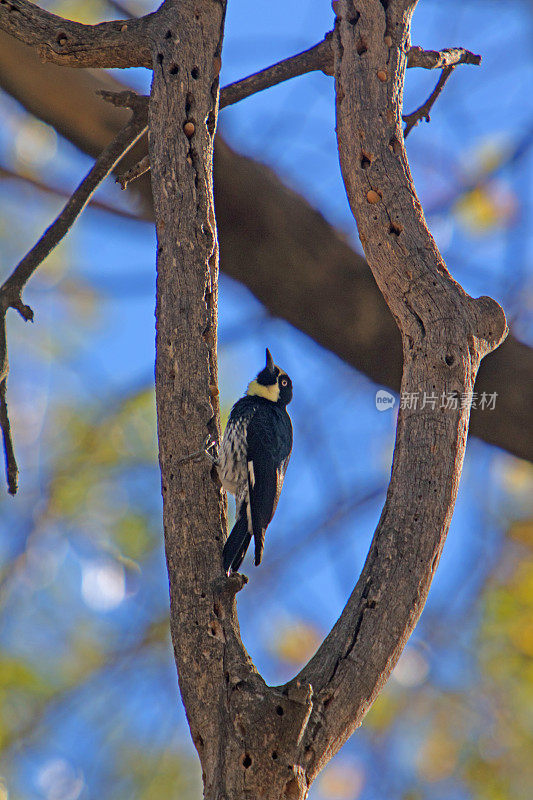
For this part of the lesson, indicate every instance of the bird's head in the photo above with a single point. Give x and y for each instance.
(272, 383)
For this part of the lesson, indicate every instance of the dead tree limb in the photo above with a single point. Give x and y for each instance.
(445, 335)
(110, 44)
(11, 289)
(422, 112)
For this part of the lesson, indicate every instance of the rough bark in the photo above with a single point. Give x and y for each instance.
(445, 334)
(122, 43)
(282, 249)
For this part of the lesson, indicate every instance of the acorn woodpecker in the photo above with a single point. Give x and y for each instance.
(253, 459)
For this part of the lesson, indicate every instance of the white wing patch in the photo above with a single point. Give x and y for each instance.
(251, 473)
(249, 515)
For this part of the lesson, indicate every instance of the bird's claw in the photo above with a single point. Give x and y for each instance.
(210, 445)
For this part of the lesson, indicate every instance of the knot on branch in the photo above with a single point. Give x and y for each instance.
(25, 311)
(230, 585)
(490, 323)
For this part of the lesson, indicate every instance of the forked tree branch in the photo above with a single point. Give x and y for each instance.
(123, 43)
(320, 57)
(445, 334)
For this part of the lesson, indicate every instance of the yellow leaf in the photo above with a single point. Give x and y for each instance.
(484, 207)
(522, 531)
(437, 758)
(296, 642)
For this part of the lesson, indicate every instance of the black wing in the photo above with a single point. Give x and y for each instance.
(267, 462)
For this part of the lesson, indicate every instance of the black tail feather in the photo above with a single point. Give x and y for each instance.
(236, 544)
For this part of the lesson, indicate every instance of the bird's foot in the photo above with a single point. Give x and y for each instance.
(208, 445)
(211, 445)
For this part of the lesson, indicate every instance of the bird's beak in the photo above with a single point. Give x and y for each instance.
(269, 361)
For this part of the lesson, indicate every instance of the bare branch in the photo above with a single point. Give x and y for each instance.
(12, 472)
(11, 290)
(127, 99)
(422, 112)
(319, 57)
(449, 57)
(134, 172)
(56, 191)
(61, 41)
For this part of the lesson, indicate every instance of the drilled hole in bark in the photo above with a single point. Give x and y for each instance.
(168, 35)
(160, 58)
(246, 761)
(195, 73)
(395, 228)
(174, 69)
(203, 595)
(395, 145)
(354, 19)
(210, 122)
(61, 38)
(365, 161)
(279, 711)
(274, 755)
(449, 359)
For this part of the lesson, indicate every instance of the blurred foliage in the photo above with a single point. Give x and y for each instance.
(295, 642)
